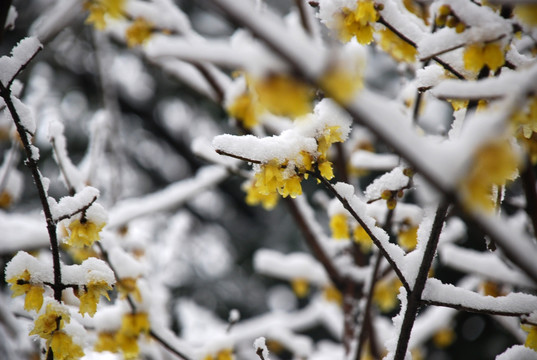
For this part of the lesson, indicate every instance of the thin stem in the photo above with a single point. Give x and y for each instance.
(167, 346)
(367, 311)
(81, 210)
(31, 162)
(303, 16)
(528, 182)
(222, 152)
(353, 213)
(414, 296)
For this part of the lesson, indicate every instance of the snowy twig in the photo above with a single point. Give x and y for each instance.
(81, 210)
(353, 213)
(414, 296)
(224, 153)
(528, 182)
(31, 162)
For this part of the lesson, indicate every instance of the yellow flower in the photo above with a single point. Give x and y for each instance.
(135, 324)
(531, 340)
(254, 197)
(284, 95)
(245, 109)
(362, 238)
(128, 345)
(325, 168)
(21, 285)
(330, 135)
(225, 354)
(63, 347)
(526, 118)
(330, 293)
(527, 13)
(90, 296)
(34, 298)
(127, 286)
(138, 32)
(358, 22)
(300, 287)
(444, 337)
(53, 319)
(83, 233)
(5, 199)
(341, 84)
(106, 341)
(385, 294)
(98, 9)
(399, 49)
(291, 187)
(408, 237)
(476, 56)
(493, 164)
(339, 226)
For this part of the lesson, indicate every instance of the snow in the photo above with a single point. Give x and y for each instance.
(70, 204)
(124, 264)
(234, 316)
(394, 180)
(513, 303)
(291, 266)
(363, 159)
(11, 17)
(518, 352)
(259, 345)
(21, 54)
(484, 264)
(169, 198)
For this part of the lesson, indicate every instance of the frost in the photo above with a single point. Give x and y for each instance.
(394, 180)
(260, 346)
(517, 352)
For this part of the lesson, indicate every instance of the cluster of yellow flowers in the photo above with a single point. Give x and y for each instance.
(493, 164)
(478, 55)
(284, 177)
(125, 339)
(339, 226)
(138, 32)
(358, 22)
(50, 326)
(385, 294)
(224, 354)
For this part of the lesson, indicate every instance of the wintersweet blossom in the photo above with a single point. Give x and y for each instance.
(139, 32)
(300, 287)
(63, 347)
(399, 49)
(531, 339)
(99, 9)
(493, 164)
(358, 22)
(21, 285)
(255, 197)
(106, 341)
(224, 354)
(385, 294)
(477, 55)
(526, 118)
(83, 233)
(132, 326)
(127, 286)
(283, 94)
(53, 318)
(527, 13)
(332, 294)
(362, 238)
(245, 109)
(444, 337)
(339, 226)
(89, 296)
(407, 237)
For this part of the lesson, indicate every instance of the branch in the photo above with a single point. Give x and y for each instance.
(414, 296)
(81, 210)
(31, 162)
(528, 182)
(351, 210)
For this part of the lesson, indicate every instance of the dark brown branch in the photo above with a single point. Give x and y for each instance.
(21, 69)
(167, 346)
(353, 213)
(221, 152)
(469, 309)
(300, 4)
(81, 210)
(528, 182)
(31, 162)
(414, 296)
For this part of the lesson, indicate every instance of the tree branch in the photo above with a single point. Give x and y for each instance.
(414, 296)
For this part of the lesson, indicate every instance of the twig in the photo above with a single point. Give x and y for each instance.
(303, 16)
(367, 310)
(222, 152)
(81, 210)
(414, 296)
(528, 183)
(31, 162)
(353, 213)
(477, 310)
(167, 346)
